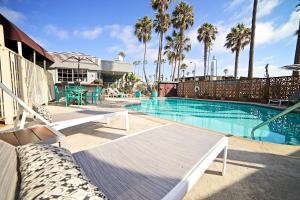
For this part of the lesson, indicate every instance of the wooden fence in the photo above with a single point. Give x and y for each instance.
(246, 89)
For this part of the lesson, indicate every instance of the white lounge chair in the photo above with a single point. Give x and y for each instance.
(121, 94)
(159, 163)
(57, 126)
(134, 167)
(111, 93)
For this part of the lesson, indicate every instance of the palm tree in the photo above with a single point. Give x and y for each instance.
(171, 53)
(236, 40)
(143, 31)
(253, 27)
(182, 19)
(297, 52)
(225, 72)
(183, 67)
(207, 34)
(161, 23)
(136, 63)
(172, 50)
(162, 62)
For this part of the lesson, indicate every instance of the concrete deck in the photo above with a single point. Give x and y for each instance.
(255, 170)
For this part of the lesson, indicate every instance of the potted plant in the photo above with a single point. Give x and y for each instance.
(97, 81)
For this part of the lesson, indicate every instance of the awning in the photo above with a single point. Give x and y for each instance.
(12, 32)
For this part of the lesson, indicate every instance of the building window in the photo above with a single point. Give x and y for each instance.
(82, 75)
(71, 75)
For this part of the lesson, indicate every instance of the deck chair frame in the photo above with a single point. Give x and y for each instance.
(55, 127)
(192, 176)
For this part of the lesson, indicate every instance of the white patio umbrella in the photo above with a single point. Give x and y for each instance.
(79, 57)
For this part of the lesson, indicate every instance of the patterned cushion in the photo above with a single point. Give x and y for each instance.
(42, 111)
(49, 172)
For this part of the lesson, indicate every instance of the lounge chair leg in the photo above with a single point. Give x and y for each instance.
(126, 122)
(224, 160)
(23, 119)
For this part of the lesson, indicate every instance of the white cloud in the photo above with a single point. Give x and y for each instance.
(265, 7)
(218, 45)
(54, 30)
(130, 44)
(259, 71)
(89, 34)
(266, 32)
(11, 15)
(242, 10)
(233, 4)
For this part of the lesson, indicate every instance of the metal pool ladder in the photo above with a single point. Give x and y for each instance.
(286, 111)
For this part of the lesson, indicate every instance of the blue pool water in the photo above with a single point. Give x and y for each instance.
(231, 118)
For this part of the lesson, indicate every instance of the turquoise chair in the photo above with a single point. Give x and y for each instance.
(73, 92)
(96, 94)
(57, 93)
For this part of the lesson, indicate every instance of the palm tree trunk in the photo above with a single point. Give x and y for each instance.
(251, 52)
(144, 64)
(156, 70)
(297, 52)
(174, 69)
(180, 52)
(159, 55)
(236, 63)
(205, 58)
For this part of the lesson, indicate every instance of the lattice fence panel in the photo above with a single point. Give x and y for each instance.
(257, 88)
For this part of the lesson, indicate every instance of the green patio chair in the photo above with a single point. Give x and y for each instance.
(73, 92)
(57, 93)
(95, 95)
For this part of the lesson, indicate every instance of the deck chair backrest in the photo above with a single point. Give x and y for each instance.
(23, 104)
(111, 91)
(8, 171)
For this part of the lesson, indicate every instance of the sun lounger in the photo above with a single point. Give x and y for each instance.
(78, 118)
(111, 93)
(121, 94)
(158, 163)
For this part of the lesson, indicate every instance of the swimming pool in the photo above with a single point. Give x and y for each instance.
(232, 118)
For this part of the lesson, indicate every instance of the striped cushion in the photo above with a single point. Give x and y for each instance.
(8, 171)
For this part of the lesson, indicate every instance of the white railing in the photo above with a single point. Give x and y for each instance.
(32, 85)
(15, 61)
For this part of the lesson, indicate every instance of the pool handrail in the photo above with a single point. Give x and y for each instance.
(284, 112)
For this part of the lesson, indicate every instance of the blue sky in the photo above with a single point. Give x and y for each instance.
(103, 28)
